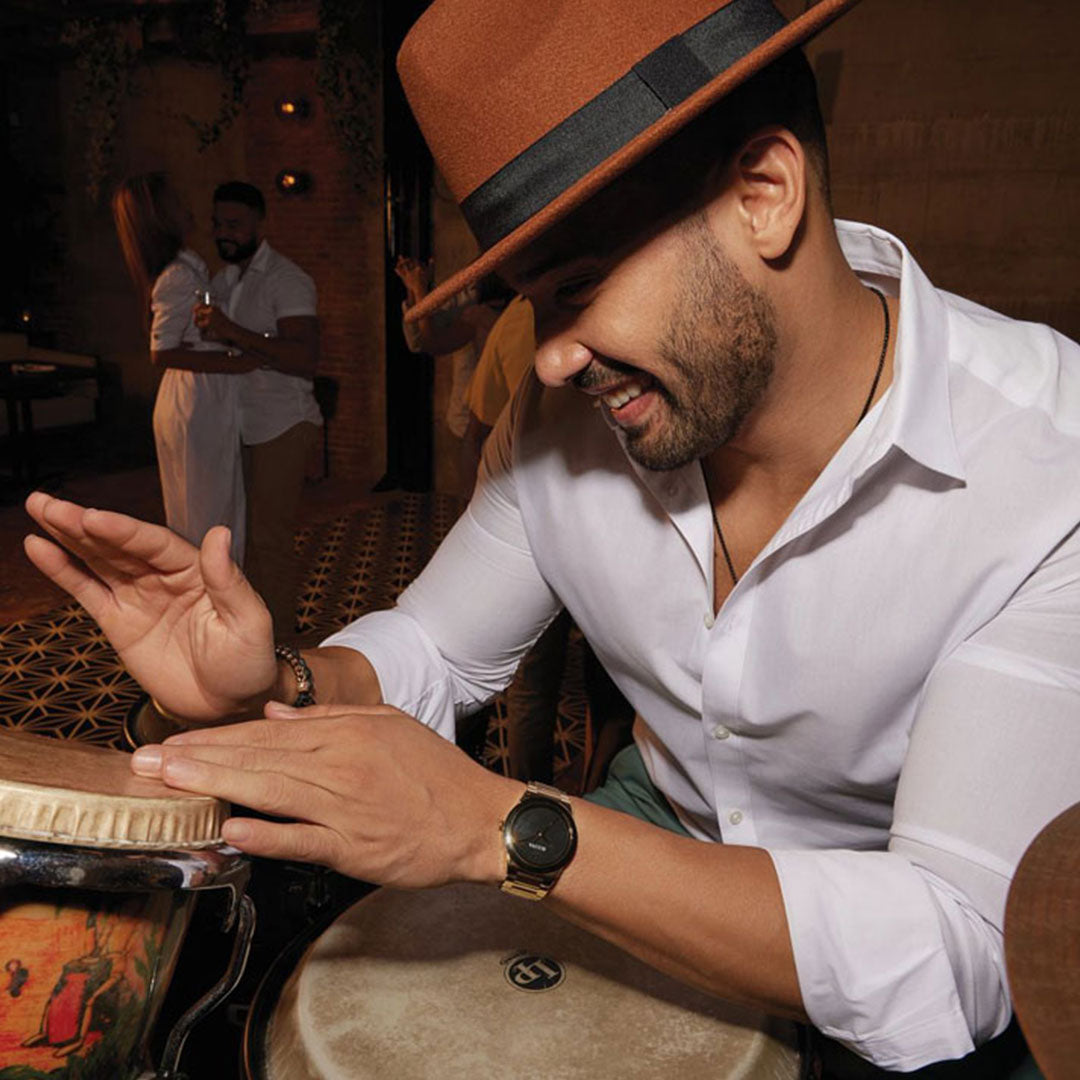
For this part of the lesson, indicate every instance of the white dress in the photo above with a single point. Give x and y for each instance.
(196, 417)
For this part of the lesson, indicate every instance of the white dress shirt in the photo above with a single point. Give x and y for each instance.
(889, 699)
(271, 288)
(196, 416)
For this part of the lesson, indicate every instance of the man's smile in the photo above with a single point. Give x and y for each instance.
(626, 397)
(630, 401)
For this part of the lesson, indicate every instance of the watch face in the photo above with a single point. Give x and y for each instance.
(540, 835)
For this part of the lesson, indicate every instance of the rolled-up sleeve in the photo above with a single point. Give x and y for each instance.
(458, 632)
(900, 953)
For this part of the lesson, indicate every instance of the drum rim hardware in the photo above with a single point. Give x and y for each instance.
(26, 862)
(242, 913)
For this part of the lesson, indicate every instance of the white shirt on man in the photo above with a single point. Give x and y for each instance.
(889, 699)
(271, 288)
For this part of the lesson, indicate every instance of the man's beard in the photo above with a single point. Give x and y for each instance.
(237, 252)
(719, 346)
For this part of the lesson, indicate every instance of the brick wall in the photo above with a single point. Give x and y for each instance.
(335, 233)
(956, 125)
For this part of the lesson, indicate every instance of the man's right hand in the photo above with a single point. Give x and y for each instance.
(184, 620)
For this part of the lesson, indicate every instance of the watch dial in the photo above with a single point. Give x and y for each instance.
(540, 836)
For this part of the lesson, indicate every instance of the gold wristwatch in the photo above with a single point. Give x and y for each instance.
(540, 839)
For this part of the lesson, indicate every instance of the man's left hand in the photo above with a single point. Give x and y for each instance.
(370, 792)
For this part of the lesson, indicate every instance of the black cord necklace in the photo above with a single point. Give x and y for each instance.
(862, 416)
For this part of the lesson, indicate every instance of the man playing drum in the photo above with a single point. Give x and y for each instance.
(795, 497)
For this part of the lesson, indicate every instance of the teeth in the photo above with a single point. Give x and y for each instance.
(627, 392)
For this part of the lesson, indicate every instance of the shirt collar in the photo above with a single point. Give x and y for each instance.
(260, 258)
(916, 414)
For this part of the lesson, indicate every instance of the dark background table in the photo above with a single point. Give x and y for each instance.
(22, 382)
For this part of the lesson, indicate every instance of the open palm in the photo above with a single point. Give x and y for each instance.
(184, 620)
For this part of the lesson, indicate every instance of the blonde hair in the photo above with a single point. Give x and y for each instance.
(151, 220)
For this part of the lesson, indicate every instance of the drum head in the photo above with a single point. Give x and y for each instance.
(466, 982)
(69, 793)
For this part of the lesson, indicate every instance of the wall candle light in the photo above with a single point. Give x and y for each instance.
(292, 182)
(292, 108)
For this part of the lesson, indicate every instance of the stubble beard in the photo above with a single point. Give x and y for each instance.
(239, 252)
(719, 346)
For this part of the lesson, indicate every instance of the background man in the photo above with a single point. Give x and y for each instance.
(264, 308)
(793, 495)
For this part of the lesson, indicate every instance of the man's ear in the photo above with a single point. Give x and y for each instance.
(767, 187)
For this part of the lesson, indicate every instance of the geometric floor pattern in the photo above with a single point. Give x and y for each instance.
(59, 676)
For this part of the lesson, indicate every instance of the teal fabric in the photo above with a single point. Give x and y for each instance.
(628, 788)
(1028, 1071)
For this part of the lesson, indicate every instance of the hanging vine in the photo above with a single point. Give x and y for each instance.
(222, 41)
(105, 57)
(108, 51)
(347, 79)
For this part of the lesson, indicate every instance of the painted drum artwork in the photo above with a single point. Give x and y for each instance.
(98, 874)
(83, 973)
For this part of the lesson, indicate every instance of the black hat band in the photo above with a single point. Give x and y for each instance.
(588, 137)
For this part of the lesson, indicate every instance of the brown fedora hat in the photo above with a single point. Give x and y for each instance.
(1042, 945)
(531, 106)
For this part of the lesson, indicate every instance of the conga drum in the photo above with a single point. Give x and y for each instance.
(99, 870)
(465, 982)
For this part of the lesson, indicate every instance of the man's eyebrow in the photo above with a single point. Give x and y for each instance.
(543, 266)
(557, 258)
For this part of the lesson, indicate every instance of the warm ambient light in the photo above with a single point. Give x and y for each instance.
(292, 182)
(292, 108)
(25, 317)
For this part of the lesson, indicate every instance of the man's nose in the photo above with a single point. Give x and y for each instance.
(559, 357)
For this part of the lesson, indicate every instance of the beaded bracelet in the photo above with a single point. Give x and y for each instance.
(305, 684)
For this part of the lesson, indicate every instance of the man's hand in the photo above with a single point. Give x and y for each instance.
(415, 276)
(370, 792)
(185, 621)
(214, 324)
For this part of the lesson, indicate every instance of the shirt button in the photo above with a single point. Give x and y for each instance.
(710, 620)
(735, 817)
(720, 732)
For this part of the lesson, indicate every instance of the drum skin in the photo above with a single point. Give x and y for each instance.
(466, 982)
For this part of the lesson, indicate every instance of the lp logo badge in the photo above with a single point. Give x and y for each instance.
(528, 972)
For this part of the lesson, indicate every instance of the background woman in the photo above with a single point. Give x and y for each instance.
(196, 414)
